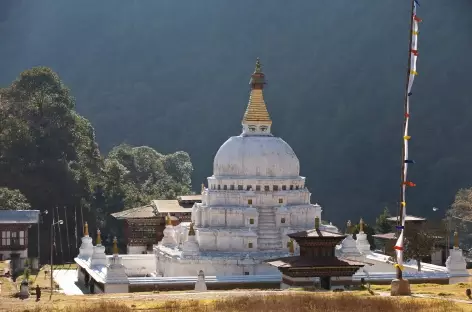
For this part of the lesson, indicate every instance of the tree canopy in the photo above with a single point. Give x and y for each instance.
(49, 158)
(13, 200)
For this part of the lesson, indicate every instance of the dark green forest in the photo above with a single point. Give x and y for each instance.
(50, 161)
(174, 76)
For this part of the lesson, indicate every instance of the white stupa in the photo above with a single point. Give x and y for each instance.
(86, 248)
(362, 242)
(456, 263)
(348, 248)
(254, 198)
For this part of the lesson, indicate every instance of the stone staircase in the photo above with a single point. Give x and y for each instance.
(268, 235)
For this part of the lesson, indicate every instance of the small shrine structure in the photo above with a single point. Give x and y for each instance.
(316, 262)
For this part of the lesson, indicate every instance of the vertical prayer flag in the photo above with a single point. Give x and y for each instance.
(412, 72)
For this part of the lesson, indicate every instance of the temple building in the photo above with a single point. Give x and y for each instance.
(144, 226)
(254, 198)
(387, 241)
(317, 263)
(15, 226)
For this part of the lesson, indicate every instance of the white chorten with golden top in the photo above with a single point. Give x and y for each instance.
(254, 198)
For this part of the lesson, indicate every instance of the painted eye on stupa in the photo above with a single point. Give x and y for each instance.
(252, 129)
(263, 129)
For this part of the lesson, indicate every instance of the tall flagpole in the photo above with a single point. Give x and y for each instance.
(411, 73)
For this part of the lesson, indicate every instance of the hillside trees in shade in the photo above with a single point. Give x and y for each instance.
(12, 200)
(48, 152)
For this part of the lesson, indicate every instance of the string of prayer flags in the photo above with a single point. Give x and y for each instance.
(411, 73)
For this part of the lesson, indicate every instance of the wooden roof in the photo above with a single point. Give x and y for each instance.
(304, 262)
(190, 197)
(316, 233)
(136, 213)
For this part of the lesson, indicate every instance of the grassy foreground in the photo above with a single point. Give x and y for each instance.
(292, 302)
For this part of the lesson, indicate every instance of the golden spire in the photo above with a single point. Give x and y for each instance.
(99, 239)
(168, 220)
(115, 246)
(86, 229)
(291, 247)
(456, 239)
(191, 230)
(317, 223)
(256, 111)
(361, 226)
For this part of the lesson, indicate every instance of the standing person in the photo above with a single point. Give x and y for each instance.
(38, 292)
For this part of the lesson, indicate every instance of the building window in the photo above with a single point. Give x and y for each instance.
(249, 245)
(231, 187)
(219, 187)
(258, 188)
(251, 221)
(291, 187)
(246, 273)
(284, 187)
(296, 187)
(275, 187)
(281, 200)
(6, 238)
(282, 220)
(249, 201)
(240, 187)
(288, 244)
(22, 237)
(249, 187)
(266, 188)
(225, 187)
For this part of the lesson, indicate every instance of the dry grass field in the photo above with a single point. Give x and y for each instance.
(286, 301)
(453, 291)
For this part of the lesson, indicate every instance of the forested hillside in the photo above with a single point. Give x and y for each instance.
(174, 75)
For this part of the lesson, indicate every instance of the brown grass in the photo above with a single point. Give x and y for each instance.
(292, 302)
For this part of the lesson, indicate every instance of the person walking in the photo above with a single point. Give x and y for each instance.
(38, 292)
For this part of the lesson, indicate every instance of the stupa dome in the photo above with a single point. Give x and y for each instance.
(251, 156)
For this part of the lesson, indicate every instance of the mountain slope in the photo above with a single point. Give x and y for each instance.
(174, 75)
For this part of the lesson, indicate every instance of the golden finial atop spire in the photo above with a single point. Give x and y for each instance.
(86, 229)
(99, 238)
(168, 220)
(258, 68)
(456, 239)
(191, 230)
(115, 246)
(291, 247)
(361, 225)
(256, 111)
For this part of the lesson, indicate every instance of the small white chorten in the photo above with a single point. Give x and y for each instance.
(456, 263)
(348, 245)
(116, 279)
(362, 243)
(169, 238)
(200, 285)
(190, 248)
(86, 248)
(99, 257)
